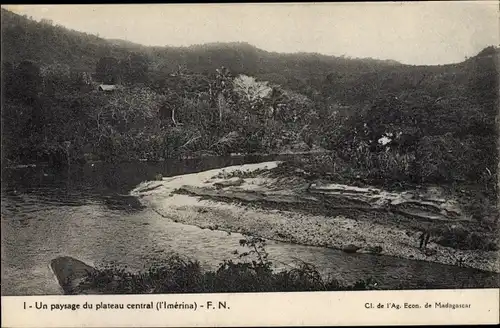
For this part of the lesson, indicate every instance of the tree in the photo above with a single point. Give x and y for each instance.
(28, 80)
(108, 70)
(8, 79)
(47, 21)
(223, 90)
(55, 77)
(135, 69)
(81, 80)
(276, 100)
(251, 90)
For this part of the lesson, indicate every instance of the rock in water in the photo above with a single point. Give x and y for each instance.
(70, 272)
(351, 248)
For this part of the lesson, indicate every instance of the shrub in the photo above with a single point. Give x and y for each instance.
(482, 208)
(461, 238)
(445, 158)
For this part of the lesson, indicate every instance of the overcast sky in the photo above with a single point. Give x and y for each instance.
(413, 33)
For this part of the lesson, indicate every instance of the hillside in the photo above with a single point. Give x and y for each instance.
(340, 77)
(25, 39)
(309, 91)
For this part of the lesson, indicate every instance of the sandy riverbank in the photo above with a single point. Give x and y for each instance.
(248, 200)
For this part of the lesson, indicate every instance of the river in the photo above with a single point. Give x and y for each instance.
(85, 212)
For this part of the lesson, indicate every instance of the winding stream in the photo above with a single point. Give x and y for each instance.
(84, 212)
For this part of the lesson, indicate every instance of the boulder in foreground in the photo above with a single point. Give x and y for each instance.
(70, 273)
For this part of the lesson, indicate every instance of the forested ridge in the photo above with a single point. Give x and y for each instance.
(45, 43)
(235, 98)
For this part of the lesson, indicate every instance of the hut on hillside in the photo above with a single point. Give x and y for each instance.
(108, 87)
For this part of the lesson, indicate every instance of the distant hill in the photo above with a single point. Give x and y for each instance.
(25, 39)
(348, 79)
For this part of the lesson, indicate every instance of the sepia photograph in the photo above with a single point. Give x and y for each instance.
(249, 148)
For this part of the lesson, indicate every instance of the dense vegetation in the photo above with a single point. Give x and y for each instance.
(42, 42)
(440, 121)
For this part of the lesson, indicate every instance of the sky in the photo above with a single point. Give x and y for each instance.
(410, 32)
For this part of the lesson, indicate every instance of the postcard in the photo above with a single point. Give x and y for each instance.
(250, 164)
